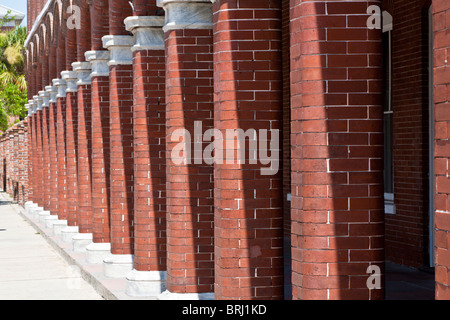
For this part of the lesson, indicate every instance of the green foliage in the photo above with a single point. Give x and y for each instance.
(13, 87)
(6, 19)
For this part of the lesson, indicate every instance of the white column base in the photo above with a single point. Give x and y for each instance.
(145, 283)
(81, 241)
(68, 232)
(30, 205)
(50, 220)
(117, 265)
(35, 212)
(43, 215)
(167, 295)
(97, 252)
(58, 226)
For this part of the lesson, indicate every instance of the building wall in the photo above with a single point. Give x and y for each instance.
(242, 64)
(14, 162)
(407, 232)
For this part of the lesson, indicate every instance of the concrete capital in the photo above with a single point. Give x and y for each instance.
(38, 101)
(52, 92)
(61, 86)
(187, 14)
(119, 47)
(33, 105)
(147, 31)
(70, 77)
(45, 98)
(83, 71)
(29, 108)
(99, 60)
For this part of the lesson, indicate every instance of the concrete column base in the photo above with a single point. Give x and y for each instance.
(167, 295)
(68, 232)
(50, 220)
(145, 283)
(35, 212)
(58, 226)
(29, 206)
(97, 252)
(43, 215)
(81, 241)
(117, 265)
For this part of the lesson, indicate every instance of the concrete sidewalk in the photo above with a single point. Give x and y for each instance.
(30, 269)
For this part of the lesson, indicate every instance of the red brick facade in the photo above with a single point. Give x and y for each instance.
(304, 78)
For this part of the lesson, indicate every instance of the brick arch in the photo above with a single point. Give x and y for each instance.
(31, 50)
(50, 30)
(42, 32)
(37, 46)
(57, 20)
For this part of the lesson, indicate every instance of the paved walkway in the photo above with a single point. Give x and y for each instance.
(30, 269)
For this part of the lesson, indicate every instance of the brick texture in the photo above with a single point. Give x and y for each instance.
(441, 18)
(149, 121)
(337, 193)
(190, 188)
(72, 156)
(247, 95)
(84, 160)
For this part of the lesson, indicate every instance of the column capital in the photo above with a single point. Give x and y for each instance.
(29, 108)
(187, 14)
(83, 72)
(99, 61)
(38, 102)
(61, 86)
(45, 98)
(32, 104)
(52, 93)
(70, 77)
(119, 47)
(147, 31)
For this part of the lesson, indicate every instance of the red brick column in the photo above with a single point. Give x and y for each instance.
(14, 162)
(441, 92)
(101, 245)
(337, 147)
(39, 154)
(23, 163)
(71, 149)
(61, 148)
(118, 43)
(34, 153)
(120, 262)
(84, 154)
(53, 155)
(248, 211)
(98, 57)
(29, 166)
(45, 151)
(190, 187)
(149, 120)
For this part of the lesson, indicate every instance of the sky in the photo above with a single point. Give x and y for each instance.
(20, 5)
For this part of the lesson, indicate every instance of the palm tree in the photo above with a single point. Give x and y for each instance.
(13, 86)
(12, 59)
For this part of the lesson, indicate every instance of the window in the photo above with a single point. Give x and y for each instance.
(389, 205)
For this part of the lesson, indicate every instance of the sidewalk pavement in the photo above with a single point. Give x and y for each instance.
(30, 268)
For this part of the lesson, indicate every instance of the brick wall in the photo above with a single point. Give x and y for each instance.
(407, 232)
(441, 18)
(14, 162)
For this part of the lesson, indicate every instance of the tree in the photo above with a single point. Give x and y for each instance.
(13, 86)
